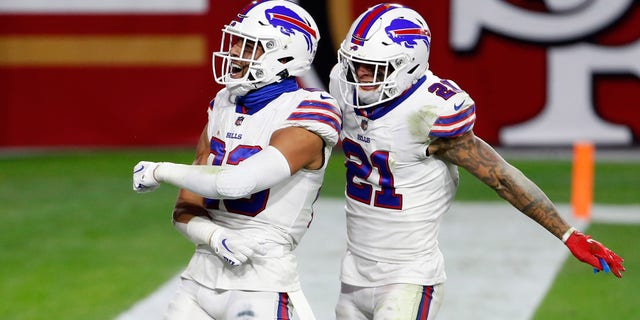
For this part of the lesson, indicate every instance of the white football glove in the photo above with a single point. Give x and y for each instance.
(235, 248)
(143, 179)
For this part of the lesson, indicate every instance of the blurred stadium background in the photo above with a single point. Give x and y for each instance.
(88, 88)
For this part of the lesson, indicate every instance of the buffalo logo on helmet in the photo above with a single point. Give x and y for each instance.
(289, 22)
(407, 33)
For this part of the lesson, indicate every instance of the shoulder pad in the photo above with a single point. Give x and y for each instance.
(319, 113)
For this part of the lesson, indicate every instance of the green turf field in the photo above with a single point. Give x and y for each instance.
(78, 243)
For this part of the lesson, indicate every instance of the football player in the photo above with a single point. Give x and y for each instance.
(405, 132)
(247, 199)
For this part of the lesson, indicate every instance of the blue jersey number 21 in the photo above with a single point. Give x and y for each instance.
(386, 197)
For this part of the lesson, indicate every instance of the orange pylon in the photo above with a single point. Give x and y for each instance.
(582, 179)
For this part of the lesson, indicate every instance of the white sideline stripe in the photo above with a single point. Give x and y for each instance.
(154, 305)
(499, 263)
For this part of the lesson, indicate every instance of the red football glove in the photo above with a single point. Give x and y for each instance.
(593, 252)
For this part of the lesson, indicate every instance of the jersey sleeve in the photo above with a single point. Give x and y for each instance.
(318, 113)
(456, 117)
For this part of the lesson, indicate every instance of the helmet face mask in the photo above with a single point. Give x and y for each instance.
(378, 87)
(238, 61)
(270, 41)
(393, 42)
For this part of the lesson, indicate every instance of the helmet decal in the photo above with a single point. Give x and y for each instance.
(289, 22)
(406, 33)
(360, 32)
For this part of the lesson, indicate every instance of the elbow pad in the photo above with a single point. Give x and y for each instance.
(259, 172)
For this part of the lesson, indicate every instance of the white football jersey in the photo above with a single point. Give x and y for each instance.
(278, 216)
(396, 193)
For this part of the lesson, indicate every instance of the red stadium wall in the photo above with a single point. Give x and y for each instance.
(144, 78)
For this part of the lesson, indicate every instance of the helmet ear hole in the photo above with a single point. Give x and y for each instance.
(283, 74)
(412, 70)
(285, 60)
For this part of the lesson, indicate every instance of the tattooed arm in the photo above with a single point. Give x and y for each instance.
(481, 160)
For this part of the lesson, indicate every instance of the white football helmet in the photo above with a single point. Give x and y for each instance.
(393, 42)
(286, 33)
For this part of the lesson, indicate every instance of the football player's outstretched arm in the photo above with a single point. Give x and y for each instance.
(482, 161)
(290, 150)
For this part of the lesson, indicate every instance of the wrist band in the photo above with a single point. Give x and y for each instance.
(198, 230)
(567, 234)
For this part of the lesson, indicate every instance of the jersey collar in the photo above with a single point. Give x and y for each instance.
(254, 101)
(378, 111)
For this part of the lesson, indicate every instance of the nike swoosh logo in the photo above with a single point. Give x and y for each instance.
(141, 168)
(457, 107)
(224, 244)
(325, 97)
